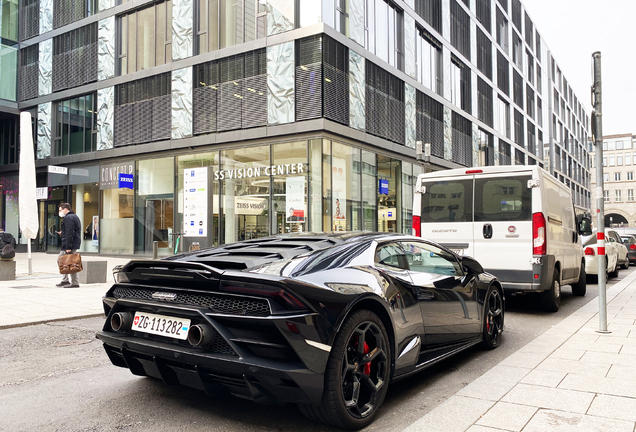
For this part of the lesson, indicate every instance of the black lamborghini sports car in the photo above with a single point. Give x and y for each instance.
(326, 321)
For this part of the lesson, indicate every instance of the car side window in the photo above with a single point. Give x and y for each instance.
(391, 255)
(426, 258)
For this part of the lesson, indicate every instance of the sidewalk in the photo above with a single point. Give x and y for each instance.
(34, 298)
(571, 379)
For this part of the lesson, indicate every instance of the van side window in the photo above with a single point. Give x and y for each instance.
(448, 201)
(503, 199)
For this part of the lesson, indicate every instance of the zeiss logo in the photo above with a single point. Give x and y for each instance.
(125, 181)
(191, 173)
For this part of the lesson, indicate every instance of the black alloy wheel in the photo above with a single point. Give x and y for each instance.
(493, 319)
(357, 374)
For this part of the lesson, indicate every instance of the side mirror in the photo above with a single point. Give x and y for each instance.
(471, 265)
(584, 225)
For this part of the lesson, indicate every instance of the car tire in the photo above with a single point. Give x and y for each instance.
(625, 264)
(493, 322)
(354, 392)
(551, 298)
(580, 287)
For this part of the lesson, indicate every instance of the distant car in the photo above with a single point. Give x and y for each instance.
(590, 251)
(614, 237)
(322, 320)
(630, 242)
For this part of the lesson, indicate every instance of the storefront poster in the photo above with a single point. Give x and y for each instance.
(95, 230)
(195, 193)
(339, 178)
(295, 199)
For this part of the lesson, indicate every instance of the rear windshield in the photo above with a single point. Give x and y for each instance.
(495, 199)
(503, 199)
(448, 201)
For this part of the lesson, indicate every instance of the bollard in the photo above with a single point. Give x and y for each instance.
(155, 250)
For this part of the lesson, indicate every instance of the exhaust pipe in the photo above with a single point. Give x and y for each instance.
(200, 335)
(121, 321)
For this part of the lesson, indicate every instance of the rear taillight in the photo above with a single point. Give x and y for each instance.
(589, 251)
(417, 226)
(632, 246)
(538, 234)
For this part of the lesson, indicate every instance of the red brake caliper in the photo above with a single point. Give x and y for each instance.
(367, 367)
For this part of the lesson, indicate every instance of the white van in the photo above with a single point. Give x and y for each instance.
(517, 221)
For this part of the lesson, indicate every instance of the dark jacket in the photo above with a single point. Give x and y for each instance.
(71, 231)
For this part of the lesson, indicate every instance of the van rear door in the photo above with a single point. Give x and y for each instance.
(447, 212)
(503, 225)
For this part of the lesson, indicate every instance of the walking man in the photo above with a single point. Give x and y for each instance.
(71, 239)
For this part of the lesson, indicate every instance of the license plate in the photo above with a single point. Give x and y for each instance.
(161, 325)
(459, 252)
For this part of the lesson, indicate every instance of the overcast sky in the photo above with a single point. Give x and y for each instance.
(573, 30)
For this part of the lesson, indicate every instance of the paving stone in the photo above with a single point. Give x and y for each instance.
(615, 407)
(559, 421)
(524, 360)
(507, 416)
(622, 372)
(550, 398)
(622, 359)
(587, 368)
(599, 384)
(495, 383)
(457, 414)
(544, 378)
(477, 428)
(568, 354)
(609, 347)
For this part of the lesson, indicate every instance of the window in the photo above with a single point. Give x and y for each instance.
(634, 159)
(516, 14)
(460, 84)
(612, 161)
(484, 54)
(605, 160)
(539, 112)
(529, 101)
(425, 258)
(503, 118)
(484, 100)
(529, 31)
(503, 74)
(517, 51)
(538, 84)
(438, 206)
(75, 125)
(628, 145)
(502, 31)
(606, 197)
(617, 176)
(630, 194)
(630, 175)
(342, 16)
(619, 160)
(538, 47)
(391, 255)
(483, 13)
(605, 178)
(618, 195)
(503, 199)
(429, 61)
(68, 11)
(611, 145)
(144, 38)
(519, 128)
(604, 145)
(517, 89)
(628, 159)
(530, 67)
(460, 29)
(619, 145)
(220, 24)
(389, 21)
(431, 11)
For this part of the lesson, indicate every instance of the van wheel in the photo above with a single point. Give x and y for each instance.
(551, 298)
(580, 287)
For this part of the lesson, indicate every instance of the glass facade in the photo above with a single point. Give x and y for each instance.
(75, 128)
(8, 49)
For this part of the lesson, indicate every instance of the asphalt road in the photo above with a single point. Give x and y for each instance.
(56, 377)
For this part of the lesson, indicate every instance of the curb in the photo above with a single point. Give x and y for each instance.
(26, 324)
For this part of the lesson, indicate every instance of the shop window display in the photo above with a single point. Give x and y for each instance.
(289, 198)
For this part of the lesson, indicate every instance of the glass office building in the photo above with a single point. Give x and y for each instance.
(194, 123)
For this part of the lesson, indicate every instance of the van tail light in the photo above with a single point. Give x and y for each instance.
(589, 251)
(632, 246)
(538, 234)
(417, 226)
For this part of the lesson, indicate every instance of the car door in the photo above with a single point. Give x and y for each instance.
(620, 247)
(447, 297)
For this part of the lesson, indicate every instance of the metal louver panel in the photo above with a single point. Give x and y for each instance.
(336, 94)
(255, 101)
(29, 84)
(370, 124)
(309, 83)
(204, 109)
(161, 117)
(230, 105)
(29, 19)
(123, 124)
(430, 123)
(142, 121)
(75, 58)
